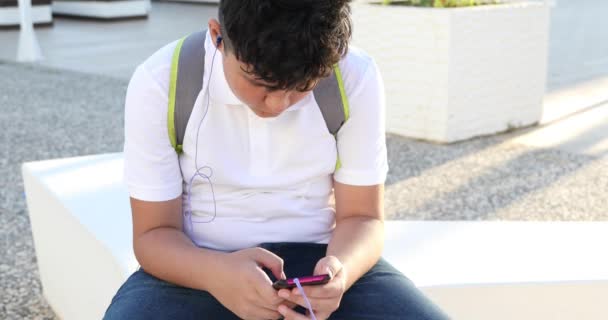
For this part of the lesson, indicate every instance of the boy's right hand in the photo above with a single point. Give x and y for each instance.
(244, 288)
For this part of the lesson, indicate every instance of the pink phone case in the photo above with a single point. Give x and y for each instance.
(304, 281)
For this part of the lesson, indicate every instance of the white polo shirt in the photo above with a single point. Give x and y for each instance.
(271, 177)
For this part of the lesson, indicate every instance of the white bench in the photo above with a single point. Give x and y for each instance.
(81, 223)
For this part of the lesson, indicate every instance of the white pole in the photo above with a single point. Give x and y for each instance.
(29, 50)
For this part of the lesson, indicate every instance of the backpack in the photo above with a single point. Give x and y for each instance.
(186, 81)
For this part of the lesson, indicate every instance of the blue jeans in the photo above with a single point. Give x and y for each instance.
(382, 293)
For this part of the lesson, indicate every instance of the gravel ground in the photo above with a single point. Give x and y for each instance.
(49, 113)
(45, 114)
(493, 179)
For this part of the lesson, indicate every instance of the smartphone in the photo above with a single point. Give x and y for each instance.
(304, 281)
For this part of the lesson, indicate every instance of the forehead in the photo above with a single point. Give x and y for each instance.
(241, 67)
(245, 71)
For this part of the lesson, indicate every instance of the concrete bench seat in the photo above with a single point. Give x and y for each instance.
(104, 10)
(81, 223)
(11, 18)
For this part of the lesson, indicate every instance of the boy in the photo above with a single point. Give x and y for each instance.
(248, 200)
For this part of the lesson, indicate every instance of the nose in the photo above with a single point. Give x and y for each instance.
(277, 101)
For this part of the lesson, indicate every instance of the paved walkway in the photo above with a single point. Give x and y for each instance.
(112, 48)
(553, 172)
(578, 40)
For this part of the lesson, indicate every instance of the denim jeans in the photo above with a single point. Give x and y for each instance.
(382, 293)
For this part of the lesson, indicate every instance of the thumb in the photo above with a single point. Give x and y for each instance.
(269, 260)
(328, 265)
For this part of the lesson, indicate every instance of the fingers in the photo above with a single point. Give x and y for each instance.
(269, 260)
(334, 288)
(326, 291)
(324, 299)
(328, 265)
(266, 292)
(289, 304)
(290, 314)
(257, 312)
(261, 282)
(329, 304)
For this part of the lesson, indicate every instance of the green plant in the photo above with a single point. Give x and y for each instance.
(439, 3)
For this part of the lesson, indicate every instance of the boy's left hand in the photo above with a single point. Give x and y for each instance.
(324, 299)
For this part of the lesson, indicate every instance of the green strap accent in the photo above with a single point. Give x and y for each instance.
(338, 164)
(344, 105)
(342, 92)
(172, 90)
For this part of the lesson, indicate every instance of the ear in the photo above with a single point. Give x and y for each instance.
(215, 31)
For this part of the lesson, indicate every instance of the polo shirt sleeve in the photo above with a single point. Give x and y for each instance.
(362, 140)
(151, 168)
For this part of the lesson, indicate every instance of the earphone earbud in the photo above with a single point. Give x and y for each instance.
(218, 40)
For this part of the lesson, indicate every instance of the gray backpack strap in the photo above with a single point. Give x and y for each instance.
(186, 82)
(333, 103)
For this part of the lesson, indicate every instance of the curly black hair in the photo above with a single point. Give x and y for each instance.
(289, 44)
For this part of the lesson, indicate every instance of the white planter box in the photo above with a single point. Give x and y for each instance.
(102, 9)
(452, 74)
(10, 17)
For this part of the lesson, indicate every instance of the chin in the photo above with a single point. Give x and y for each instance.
(263, 114)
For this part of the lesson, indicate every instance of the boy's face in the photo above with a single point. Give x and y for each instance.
(261, 100)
